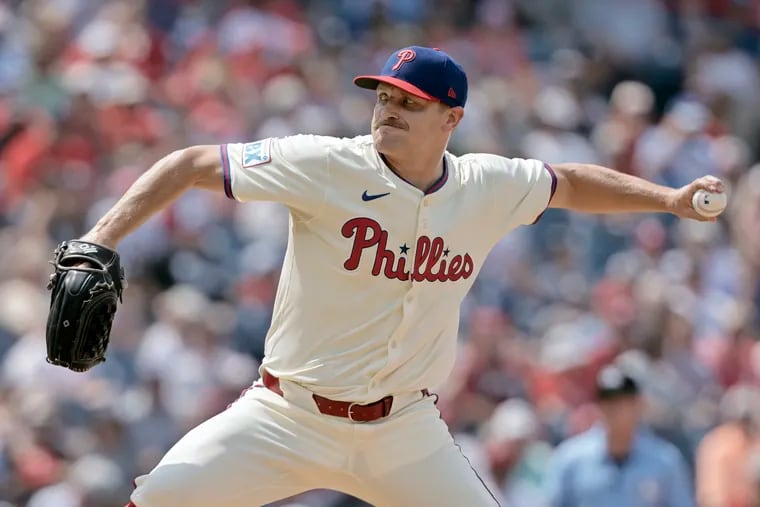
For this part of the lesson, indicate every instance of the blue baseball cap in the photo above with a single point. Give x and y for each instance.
(428, 73)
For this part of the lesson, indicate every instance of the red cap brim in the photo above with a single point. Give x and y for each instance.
(370, 83)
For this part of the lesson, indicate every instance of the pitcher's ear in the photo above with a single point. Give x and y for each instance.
(454, 116)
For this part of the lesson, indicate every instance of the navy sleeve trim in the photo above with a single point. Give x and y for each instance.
(226, 171)
(551, 194)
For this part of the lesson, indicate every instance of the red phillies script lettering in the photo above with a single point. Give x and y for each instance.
(431, 261)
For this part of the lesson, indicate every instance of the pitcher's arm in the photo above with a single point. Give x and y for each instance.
(596, 189)
(192, 167)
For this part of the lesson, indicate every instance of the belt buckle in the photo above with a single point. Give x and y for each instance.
(350, 417)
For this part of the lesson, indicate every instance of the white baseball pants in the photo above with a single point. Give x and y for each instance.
(268, 447)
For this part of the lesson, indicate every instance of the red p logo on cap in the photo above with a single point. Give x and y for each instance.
(405, 55)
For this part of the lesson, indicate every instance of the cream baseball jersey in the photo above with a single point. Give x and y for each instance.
(376, 269)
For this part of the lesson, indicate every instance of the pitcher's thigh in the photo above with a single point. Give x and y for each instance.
(443, 479)
(239, 458)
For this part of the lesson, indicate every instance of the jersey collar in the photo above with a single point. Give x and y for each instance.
(436, 186)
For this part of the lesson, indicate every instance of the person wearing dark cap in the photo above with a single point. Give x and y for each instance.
(618, 462)
(387, 234)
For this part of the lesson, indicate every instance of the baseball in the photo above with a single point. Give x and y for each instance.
(709, 204)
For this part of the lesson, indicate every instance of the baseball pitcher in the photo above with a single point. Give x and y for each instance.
(387, 234)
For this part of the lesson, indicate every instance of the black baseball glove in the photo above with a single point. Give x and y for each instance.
(87, 282)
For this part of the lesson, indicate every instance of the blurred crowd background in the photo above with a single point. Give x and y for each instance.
(92, 92)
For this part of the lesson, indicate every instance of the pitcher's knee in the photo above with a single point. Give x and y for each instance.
(167, 486)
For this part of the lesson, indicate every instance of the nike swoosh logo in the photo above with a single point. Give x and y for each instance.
(367, 197)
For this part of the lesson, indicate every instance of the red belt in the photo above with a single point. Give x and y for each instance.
(350, 410)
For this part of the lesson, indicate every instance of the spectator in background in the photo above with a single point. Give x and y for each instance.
(555, 137)
(615, 137)
(618, 461)
(725, 475)
(517, 454)
(678, 147)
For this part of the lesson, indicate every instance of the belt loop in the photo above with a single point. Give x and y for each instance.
(387, 404)
(271, 382)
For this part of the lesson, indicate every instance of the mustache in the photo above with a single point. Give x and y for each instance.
(389, 122)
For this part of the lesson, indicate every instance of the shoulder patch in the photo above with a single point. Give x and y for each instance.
(256, 153)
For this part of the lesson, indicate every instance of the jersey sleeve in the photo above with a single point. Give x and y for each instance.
(291, 170)
(521, 189)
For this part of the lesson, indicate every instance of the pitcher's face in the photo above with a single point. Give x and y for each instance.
(403, 123)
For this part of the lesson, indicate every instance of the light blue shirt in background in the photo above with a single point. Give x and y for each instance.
(582, 474)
